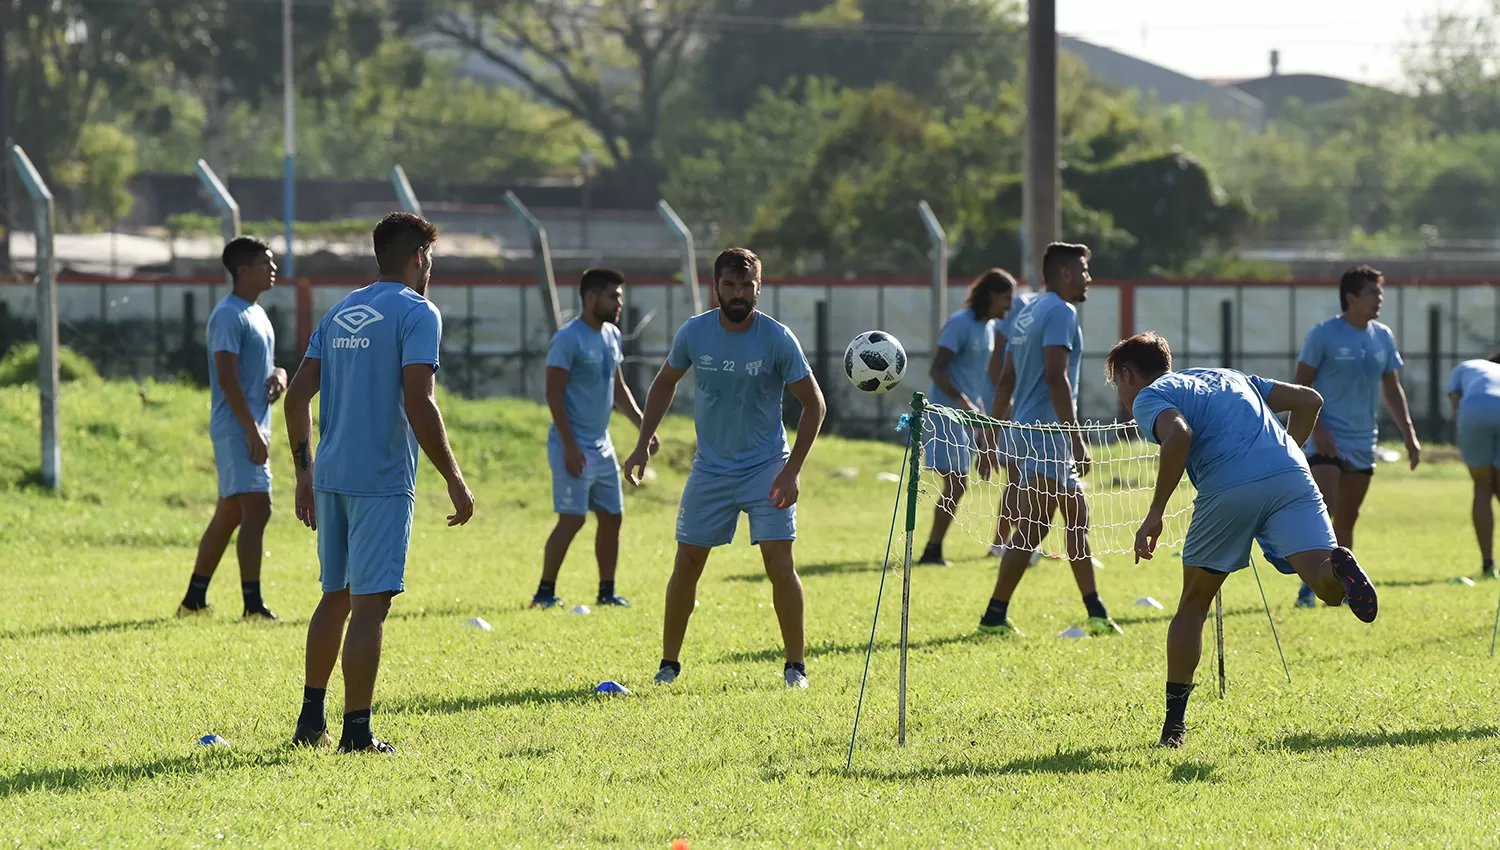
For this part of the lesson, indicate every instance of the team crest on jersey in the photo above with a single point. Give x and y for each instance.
(754, 366)
(356, 318)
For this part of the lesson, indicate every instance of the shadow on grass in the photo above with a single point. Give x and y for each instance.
(825, 649)
(211, 760)
(1314, 742)
(1415, 582)
(1165, 615)
(1059, 763)
(1194, 771)
(823, 569)
(479, 702)
(66, 630)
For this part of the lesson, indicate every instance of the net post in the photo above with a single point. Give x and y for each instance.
(1219, 634)
(913, 482)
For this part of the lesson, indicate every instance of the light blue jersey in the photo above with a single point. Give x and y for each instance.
(1236, 437)
(1350, 364)
(1478, 383)
(739, 377)
(971, 342)
(366, 446)
(1004, 326)
(591, 359)
(243, 329)
(1047, 321)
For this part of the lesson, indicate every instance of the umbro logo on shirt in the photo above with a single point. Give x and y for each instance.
(706, 363)
(356, 318)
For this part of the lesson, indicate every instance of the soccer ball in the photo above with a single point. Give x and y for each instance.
(875, 362)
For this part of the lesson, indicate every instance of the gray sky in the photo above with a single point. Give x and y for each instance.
(1355, 39)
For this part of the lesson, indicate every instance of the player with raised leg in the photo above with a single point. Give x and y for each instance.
(243, 383)
(960, 380)
(1351, 360)
(742, 362)
(1045, 352)
(372, 360)
(584, 383)
(1474, 389)
(1253, 483)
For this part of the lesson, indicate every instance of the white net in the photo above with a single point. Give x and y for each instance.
(1103, 505)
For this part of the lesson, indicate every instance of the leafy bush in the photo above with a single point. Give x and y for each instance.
(19, 365)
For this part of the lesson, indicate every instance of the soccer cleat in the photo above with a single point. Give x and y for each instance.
(613, 602)
(1306, 598)
(1490, 573)
(666, 676)
(1358, 589)
(795, 678)
(934, 558)
(546, 602)
(1099, 626)
(997, 550)
(261, 614)
(184, 612)
(1004, 629)
(316, 738)
(1172, 737)
(375, 746)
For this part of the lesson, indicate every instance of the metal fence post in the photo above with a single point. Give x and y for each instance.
(404, 194)
(542, 253)
(229, 209)
(689, 253)
(1434, 372)
(46, 316)
(939, 237)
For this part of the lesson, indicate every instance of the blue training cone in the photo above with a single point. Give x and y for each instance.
(612, 689)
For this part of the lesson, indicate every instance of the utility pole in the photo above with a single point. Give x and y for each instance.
(1042, 188)
(5, 210)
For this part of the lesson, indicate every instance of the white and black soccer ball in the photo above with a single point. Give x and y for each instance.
(875, 362)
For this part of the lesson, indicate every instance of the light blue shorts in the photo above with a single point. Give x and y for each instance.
(1042, 454)
(947, 446)
(1479, 437)
(1284, 513)
(598, 489)
(1354, 454)
(712, 504)
(236, 473)
(362, 541)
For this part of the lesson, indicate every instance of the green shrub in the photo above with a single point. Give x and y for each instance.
(18, 366)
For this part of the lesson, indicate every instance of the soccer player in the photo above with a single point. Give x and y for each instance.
(373, 359)
(1253, 484)
(1351, 360)
(742, 361)
(584, 382)
(243, 383)
(1043, 356)
(1474, 390)
(1001, 408)
(960, 380)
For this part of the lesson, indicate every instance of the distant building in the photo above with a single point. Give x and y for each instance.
(1165, 85)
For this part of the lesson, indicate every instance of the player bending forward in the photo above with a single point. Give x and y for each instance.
(1253, 484)
(1475, 392)
(742, 360)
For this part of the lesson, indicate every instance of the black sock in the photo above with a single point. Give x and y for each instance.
(606, 588)
(1094, 606)
(995, 614)
(357, 733)
(1177, 700)
(546, 589)
(197, 594)
(1489, 564)
(312, 709)
(675, 665)
(799, 666)
(251, 591)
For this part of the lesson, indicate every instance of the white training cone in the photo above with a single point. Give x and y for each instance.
(1463, 580)
(847, 472)
(1148, 602)
(1073, 632)
(478, 623)
(579, 609)
(887, 476)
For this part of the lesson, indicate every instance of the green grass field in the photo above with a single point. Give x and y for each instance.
(1386, 736)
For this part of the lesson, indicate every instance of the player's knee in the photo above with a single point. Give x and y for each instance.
(254, 509)
(371, 607)
(570, 524)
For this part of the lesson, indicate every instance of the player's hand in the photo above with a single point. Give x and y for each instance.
(1324, 443)
(654, 446)
(463, 503)
(785, 489)
(255, 441)
(635, 466)
(1081, 458)
(304, 500)
(1413, 451)
(574, 461)
(275, 385)
(1147, 536)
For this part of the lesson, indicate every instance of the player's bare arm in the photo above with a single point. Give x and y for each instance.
(297, 409)
(227, 365)
(1176, 438)
(658, 402)
(625, 403)
(1395, 401)
(1060, 390)
(557, 385)
(786, 488)
(1004, 379)
(1453, 397)
(1322, 437)
(1302, 402)
(940, 377)
(418, 387)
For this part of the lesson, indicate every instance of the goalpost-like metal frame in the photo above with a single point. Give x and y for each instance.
(46, 316)
(689, 253)
(542, 252)
(228, 207)
(404, 194)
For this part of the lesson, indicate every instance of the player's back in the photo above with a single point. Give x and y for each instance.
(1045, 322)
(1478, 383)
(366, 445)
(1236, 438)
